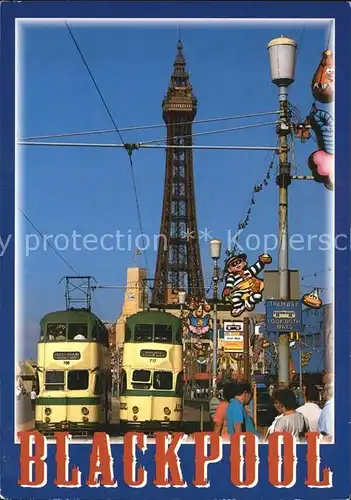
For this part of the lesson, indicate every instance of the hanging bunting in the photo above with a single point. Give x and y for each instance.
(312, 299)
(323, 79)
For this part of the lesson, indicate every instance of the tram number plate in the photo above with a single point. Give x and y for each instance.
(153, 353)
(178, 407)
(60, 356)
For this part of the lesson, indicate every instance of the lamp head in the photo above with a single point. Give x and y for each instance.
(282, 57)
(215, 248)
(181, 297)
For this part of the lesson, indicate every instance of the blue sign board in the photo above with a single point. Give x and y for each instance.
(283, 316)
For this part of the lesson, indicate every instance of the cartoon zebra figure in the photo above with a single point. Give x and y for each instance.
(242, 288)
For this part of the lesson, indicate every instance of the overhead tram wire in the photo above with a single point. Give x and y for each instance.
(49, 244)
(146, 127)
(119, 134)
(220, 131)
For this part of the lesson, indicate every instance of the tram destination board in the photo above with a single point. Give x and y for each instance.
(283, 316)
(68, 355)
(153, 353)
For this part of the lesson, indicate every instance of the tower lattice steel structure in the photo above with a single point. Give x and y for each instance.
(178, 260)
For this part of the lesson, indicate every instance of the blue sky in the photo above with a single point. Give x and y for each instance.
(90, 190)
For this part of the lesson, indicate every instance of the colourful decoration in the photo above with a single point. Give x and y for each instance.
(312, 299)
(199, 319)
(323, 80)
(321, 162)
(242, 287)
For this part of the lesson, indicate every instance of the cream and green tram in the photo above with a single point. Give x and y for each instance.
(151, 383)
(73, 373)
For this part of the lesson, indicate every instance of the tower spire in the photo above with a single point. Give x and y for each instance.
(178, 264)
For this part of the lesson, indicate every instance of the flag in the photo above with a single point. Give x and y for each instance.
(138, 251)
(306, 358)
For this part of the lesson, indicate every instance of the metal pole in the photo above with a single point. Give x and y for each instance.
(247, 371)
(214, 345)
(300, 358)
(283, 181)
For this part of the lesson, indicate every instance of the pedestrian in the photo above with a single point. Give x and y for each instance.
(219, 417)
(326, 419)
(310, 410)
(18, 392)
(237, 417)
(214, 403)
(33, 397)
(290, 420)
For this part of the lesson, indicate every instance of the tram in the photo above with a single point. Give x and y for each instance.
(73, 373)
(151, 383)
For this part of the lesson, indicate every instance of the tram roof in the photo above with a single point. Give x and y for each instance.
(151, 317)
(71, 316)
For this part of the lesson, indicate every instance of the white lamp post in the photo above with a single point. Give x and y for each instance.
(215, 248)
(282, 56)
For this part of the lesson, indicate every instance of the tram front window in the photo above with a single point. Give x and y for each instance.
(78, 380)
(143, 333)
(141, 379)
(77, 331)
(54, 380)
(163, 381)
(56, 331)
(163, 333)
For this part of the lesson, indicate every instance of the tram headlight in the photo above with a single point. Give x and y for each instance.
(47, 420)
(85, 419)
(85, 411)
(135, 409)
(47, 411)
(167, 411)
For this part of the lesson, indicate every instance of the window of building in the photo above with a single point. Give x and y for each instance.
(56, 331)
(318, 340)
(78, 380)
(163, 333)
(163, 381)
(143, 333)
(77, 331)
(54, 380)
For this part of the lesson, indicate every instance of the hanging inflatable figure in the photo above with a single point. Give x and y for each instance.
(321, 162)
(242, 287)
(323, 80)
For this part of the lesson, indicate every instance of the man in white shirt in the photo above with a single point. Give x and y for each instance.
(33, 397)
(326, 420)
(310, 410)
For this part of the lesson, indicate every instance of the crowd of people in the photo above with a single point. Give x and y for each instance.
(233, 413)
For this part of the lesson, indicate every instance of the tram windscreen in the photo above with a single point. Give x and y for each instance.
(141, 379)
(77, 331)
(163, 333)
(54, 380)
(56, 331)
(143, 333)
(163, 381)
(78, 380)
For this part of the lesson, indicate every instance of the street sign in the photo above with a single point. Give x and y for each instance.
(233, 326)
(234, 343)
(283, 316)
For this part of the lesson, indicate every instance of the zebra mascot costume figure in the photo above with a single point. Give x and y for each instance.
(242, 288)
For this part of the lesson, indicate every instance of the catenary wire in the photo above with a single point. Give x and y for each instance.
(49, 244)
(118, 132)
(145, 127)
(232, 129)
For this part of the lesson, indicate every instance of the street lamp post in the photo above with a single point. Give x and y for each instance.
(282, 54)
(215, 246)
